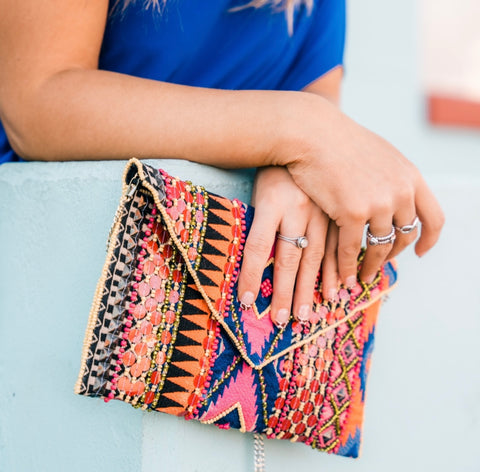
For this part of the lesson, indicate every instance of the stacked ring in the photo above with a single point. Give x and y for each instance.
(379, 240)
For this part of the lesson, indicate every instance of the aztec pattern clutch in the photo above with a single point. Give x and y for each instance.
(167, 333)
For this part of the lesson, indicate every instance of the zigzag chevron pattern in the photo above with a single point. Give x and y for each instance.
(215, 250)
(153, 342)
(188, 352)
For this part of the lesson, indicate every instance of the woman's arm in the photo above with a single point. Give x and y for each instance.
(56, 105)
(280, 206)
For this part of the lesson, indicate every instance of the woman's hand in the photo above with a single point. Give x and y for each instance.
(280, 206)
(356, 178)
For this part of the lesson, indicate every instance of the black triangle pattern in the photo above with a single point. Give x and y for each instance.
(213, 234)
(175, 371)
(214, 203)
(188, 325)
(179, 356)
(183, 340)
(209, 249)
(208, 265)
(205, 280)
(191, 310)
(170, 387)
(165, 402)
(214, 219)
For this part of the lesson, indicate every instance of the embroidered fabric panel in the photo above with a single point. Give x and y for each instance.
(155, 343)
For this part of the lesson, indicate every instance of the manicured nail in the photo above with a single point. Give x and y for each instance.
(351, 281)
(332, 295)
(282, 317)
(304, 314)
(369, 279)
(246, 300)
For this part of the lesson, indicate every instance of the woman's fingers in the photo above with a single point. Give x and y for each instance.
(287, 260)
(310, 262)
(380, 237)
(349, 245)
(282, 207)
(431, 216)
(330, 274)
(404, 218)
(258, 248)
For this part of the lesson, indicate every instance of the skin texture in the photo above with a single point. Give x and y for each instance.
(336, 176)
(281, 206)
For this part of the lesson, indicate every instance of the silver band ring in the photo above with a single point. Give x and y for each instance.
(408, 228)
(301, 242)
(379, 240)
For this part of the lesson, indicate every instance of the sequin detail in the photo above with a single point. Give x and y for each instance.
(167, 332)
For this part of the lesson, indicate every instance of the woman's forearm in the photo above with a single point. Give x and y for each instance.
(91, 114)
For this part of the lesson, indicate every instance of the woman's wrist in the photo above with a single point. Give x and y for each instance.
(302, 123)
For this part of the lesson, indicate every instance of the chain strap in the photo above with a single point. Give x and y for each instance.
(259, 452)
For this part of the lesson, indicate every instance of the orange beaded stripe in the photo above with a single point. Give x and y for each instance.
(165, 332)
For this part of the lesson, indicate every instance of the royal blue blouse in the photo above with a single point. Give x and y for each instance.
(205, 44)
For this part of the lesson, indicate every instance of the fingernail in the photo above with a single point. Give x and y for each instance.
(332, 295)
(246, 300)
(304, 314)
(369, 279)
(351, 281)
(282, 317)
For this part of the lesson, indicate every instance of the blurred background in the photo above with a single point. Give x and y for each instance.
(412, 76)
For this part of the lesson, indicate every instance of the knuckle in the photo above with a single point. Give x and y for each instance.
(301, 200)
(382, 207)
(314, 255)
(357, 213)
(348, 252)
(405, 195)
(287, 260)
(310, 267)
(257, 245)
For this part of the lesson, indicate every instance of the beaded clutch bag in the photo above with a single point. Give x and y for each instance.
(166, 331)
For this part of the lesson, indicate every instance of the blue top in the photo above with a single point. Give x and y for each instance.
(202, 43)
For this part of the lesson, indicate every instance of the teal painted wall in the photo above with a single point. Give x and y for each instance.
(53, 227)
(54, 221)
(423, 406)
(423, 399)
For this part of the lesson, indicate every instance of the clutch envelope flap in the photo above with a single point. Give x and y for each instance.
(213, 260)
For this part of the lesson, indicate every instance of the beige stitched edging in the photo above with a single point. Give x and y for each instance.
(93, 316)
(215, 313)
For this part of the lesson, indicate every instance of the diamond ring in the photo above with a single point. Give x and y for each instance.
(301, 242)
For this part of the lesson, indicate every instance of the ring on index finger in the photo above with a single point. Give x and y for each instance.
(301, 242)
(380, 240)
